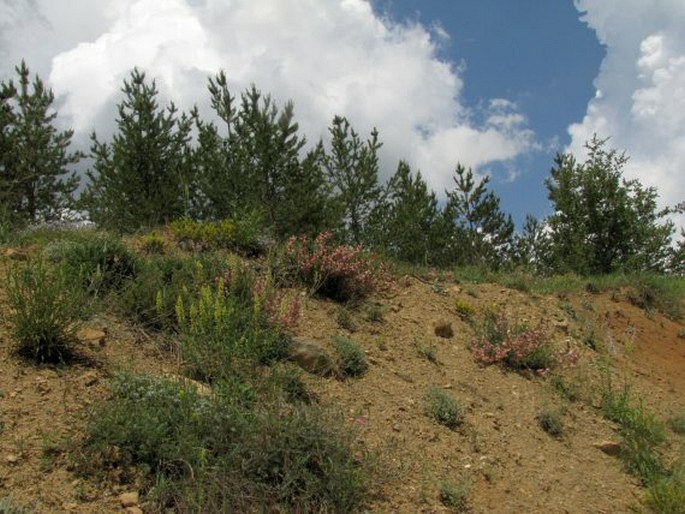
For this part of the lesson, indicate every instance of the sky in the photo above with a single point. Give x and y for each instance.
(500, 86)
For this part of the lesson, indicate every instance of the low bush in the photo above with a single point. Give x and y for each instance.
(464, 309)
(551, 422)
(444, 408)
(212, 454)
(44, 310)
(239, 234)
(351, 358)
(98, 264)
(152, 243)
(341, 273)
(515, 345)
(454, 495)
(228, 322)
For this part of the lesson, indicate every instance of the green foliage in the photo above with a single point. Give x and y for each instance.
(35, 183)
(482, 233)
(141, 178)
(464, 309)
(217, 454)
(44, 311)
(412, 228)
(654, 292)
(352, 171)
(532, 247)
(551, 422)
(667, 494)
(212, 235)
(428, 352)
(150, 300)
(152, 243)
(642, 434)
(97, 264)
(454, 496)
(253, 161)
(227, 323)
(444, 408)
(602, 222)
(350, 357)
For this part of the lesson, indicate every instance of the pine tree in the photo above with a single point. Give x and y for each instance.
(253, 162)
(142, 178)
(482, 232)
(602, 222)
(414, 224)
(532, 246)
(35, 182)
(352, 168)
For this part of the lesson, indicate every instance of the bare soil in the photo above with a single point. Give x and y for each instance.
(510, 463)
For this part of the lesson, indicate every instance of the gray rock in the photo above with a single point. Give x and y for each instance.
(309, 356)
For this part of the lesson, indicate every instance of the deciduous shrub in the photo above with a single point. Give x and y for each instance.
(241, 235)
(516, 346)
(342, 273)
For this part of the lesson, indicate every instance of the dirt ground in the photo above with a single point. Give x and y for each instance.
(510, 464)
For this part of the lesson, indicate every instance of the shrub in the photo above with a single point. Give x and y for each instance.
(454, 496)
(241, 235)
(444, 408)
(44, 311)
(152, 243)
(550, 421)
(464, 309)
(214, 454)
(7, 506)
(351, 358)
(227, 322)
(342, 273)
(667, 495)
(98, 264)
(516, 346)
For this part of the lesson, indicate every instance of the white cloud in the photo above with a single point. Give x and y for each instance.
(328, 56)
(640, 100)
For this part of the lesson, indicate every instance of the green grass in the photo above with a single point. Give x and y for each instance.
(44, 311)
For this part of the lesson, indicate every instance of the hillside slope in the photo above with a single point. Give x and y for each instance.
(499, 452)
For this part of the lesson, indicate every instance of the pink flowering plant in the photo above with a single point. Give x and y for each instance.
(516, 346)
(340, 272)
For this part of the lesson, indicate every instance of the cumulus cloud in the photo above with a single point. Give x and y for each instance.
(640, 90)
(328, 56)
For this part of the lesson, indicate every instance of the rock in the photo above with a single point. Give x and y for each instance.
(443, 328)
(92, 336)
(128, 499)
(310, 356)
(134, 510)
(202, 389)
(396, 427)
(609, 447)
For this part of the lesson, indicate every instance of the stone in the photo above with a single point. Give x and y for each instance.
(609, 447)
(443, 329)
(92, 335)
(134, 510)
(128, 499)
(309, 356)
